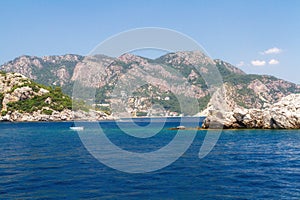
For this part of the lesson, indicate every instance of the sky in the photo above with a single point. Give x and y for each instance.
(261, 37)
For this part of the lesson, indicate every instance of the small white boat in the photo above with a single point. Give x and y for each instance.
(180, 127)
(77, 128)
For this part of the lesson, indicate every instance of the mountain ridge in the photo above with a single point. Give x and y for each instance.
(103, 73)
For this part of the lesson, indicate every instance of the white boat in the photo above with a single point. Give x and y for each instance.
(77, 128)
(180, 127)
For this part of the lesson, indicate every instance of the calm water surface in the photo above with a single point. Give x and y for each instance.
(48, 161)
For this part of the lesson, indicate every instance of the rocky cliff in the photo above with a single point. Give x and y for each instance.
(21, 99)
(46, 70)
(285, 114)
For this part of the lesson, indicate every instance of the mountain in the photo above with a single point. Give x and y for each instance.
(46, 70)
(150, 82)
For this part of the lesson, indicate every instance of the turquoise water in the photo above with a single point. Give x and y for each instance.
(49, 161)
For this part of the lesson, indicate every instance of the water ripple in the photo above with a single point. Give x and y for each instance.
(47, 161)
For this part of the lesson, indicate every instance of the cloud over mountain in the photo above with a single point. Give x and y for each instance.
(258, 62)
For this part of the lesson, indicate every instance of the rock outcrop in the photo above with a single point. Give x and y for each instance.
(284, 114)
(65, 115)
(23, 100)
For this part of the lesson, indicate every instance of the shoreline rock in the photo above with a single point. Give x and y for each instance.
(65, 115)
(284, 114)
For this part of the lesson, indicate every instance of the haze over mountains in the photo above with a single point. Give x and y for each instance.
(162, 74)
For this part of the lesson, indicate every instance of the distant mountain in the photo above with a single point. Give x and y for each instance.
(46, 70)
(162, 75)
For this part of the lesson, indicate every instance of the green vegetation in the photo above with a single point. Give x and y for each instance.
(47, 112)
(80, 105)
(246, 97)
(54, 100)
(246, 91)
(67, 88)
(203, 102)
(184, 70)
(2, 73)
(1, 100)
(3, 113)
(224, 71)
(141, 114)
(59, 102)
(125, 66)
(104, 109)
(101, 94)
(173, 104)
(236, 79)
(46, 75)
(27, 83)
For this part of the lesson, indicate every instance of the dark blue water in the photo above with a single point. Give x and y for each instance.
(48, 161)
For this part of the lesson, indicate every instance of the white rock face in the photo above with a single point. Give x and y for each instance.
(284, 114)
(43, 91)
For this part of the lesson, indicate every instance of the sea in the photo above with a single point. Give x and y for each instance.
(48, 160)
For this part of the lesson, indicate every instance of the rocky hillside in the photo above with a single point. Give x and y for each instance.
(165, 77)
(47, 70)
(21, 99)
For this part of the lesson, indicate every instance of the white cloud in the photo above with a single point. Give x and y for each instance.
(258, 62)
(273, 62)
(273, 50)
(240, 64)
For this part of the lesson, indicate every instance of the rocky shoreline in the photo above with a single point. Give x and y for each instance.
(284, 114)
(65, 115)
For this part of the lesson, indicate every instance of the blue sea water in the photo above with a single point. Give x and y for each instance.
(49, 161)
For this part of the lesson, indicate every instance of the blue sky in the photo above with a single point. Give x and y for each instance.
(259, 36)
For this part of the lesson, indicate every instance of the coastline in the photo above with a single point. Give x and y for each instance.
(107, 119)
(170, 129)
